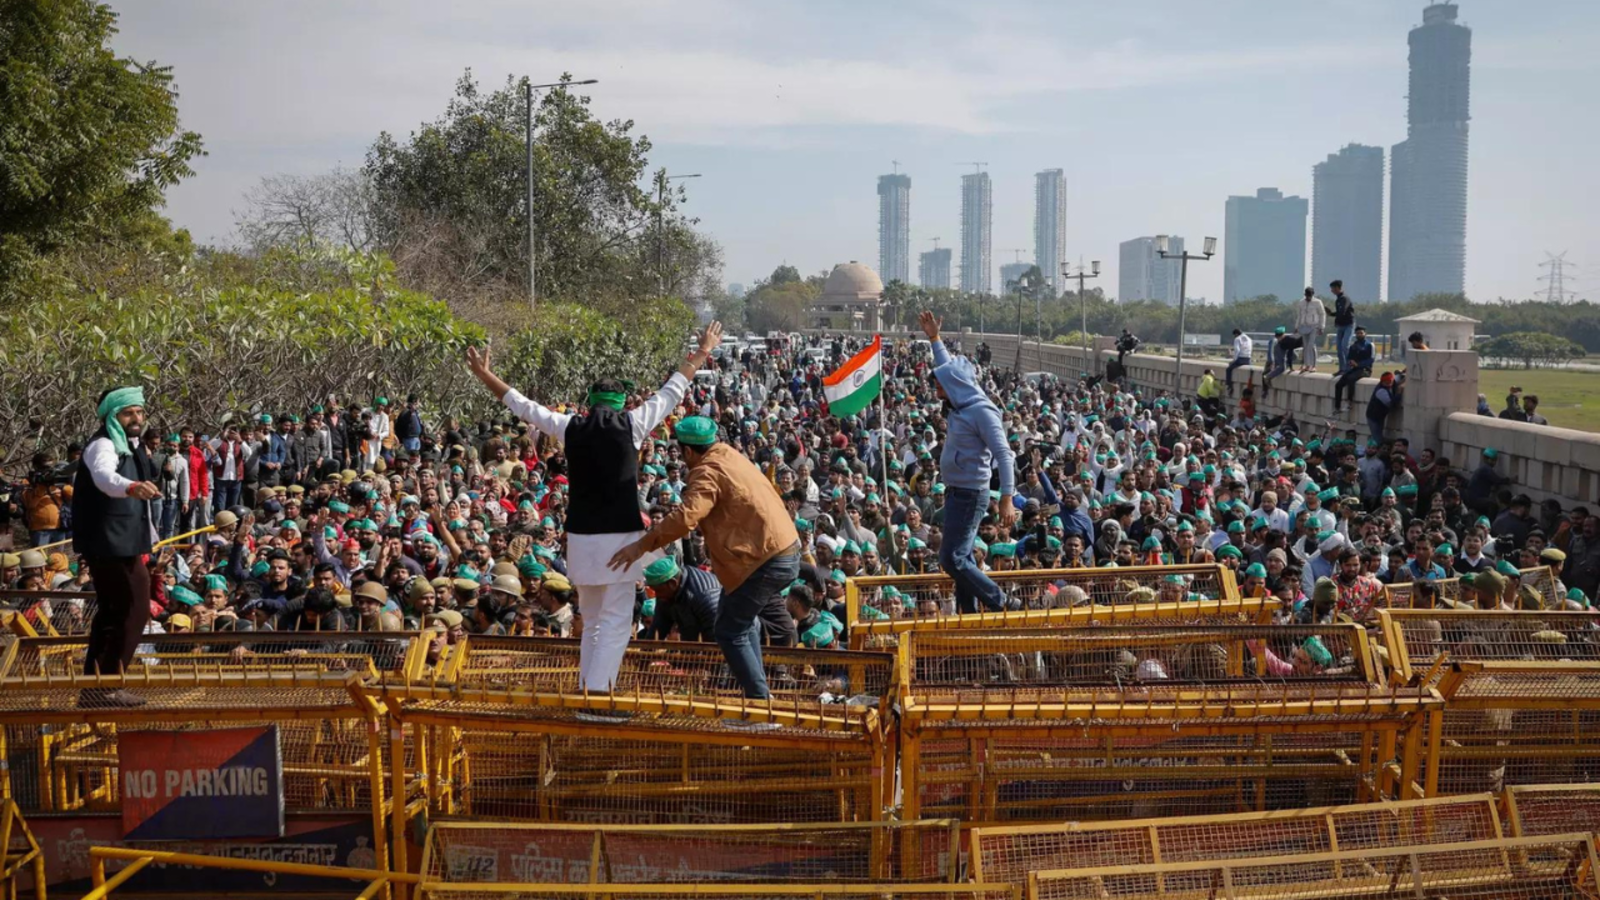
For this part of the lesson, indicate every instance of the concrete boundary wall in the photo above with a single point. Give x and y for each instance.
(1440, 396)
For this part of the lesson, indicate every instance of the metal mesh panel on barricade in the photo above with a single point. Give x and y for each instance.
(664, 668)
(1010, 853)
(53, 612)
(1403, 595)
(884, 634)
(1545, 809)
(1553, 868)
(446, 891)
(1143, 721)
(932, 596)
(1419, 639)
(888, 852)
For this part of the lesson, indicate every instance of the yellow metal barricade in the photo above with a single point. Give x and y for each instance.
(1136, 721)
(1532, 810)
(1009, 853)
(895, 598)
(1404, 595)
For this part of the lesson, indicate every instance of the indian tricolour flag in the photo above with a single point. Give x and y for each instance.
(857, 383)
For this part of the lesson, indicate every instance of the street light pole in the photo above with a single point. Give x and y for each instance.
(1183, 295)
(661, 229)
(1083, 306)
(533, 256)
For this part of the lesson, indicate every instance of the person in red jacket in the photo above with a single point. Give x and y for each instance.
(196, 510)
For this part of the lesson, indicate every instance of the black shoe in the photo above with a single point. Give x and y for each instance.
(603, 716)
(102, 697)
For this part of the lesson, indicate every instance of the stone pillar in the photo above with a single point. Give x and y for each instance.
(1438, 383)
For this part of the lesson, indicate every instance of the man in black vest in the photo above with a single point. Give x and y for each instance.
(602, 451)
(113, 529)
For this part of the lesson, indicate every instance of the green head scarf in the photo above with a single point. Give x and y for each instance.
(115, 402)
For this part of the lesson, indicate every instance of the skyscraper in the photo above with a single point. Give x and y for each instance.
(1347, 221)
(933, 268)
(1050, 224)
(1143, 275)
(977, 214)
(894, 227)
(1428, 170)
(1264, 247)
(1010, 272)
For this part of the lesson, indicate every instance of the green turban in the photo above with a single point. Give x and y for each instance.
(530, 567)
(115, 402)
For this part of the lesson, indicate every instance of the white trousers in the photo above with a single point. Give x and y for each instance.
(607, 627)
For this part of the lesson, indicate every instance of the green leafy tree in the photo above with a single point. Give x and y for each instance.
(1531, 349)
(89, 142)
(897, 297)
(784, 274)
(452, 197)
(780, 307)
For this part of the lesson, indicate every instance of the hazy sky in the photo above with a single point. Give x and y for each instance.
(1157, 110)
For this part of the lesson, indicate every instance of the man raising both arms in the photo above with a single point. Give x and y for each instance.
(974, 443)
(602, 449)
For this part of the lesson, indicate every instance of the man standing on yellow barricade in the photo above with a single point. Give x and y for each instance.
(602, 449)
(113, 529)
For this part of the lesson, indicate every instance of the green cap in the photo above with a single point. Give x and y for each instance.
(661, 571)
(338, 506)
(530, 567)
(1255, 570)
(648, 607)
(1150, 543)
(1230, 550)
(696, 431)
(1576, 595)
(1236, 526)
(919, 544)
(1507, 569)
(216, 583)
(185, 596)
(1490, 453)
(1185, 526)
(1003, 549)
(1328, 494)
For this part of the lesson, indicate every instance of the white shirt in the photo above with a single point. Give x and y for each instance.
(101, 458)
(588, 555)
(1243, 347)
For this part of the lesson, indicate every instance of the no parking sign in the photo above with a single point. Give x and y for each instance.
(201, 785)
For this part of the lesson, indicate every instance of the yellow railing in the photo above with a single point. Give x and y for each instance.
(378, 882)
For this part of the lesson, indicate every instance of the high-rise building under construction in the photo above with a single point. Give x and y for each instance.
(1428, 170)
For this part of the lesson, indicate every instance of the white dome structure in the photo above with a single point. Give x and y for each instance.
(850, 299)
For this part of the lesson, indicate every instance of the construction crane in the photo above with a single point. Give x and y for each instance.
(936, 242)
(976, 166)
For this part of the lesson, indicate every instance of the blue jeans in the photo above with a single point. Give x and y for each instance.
(963, 507)
(169, 515)
(226, 495)
(1343, 336)
(50, 536)
(411, 445)
(737, 629)
(1375, 425)
(1237, 362)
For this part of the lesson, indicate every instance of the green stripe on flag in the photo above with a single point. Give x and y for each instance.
(858, 399)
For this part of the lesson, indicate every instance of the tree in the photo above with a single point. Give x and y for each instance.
(1531, 349)
(452, 198)
(897, 296)
(89, 142)
(779, 307)
(334, 207)
(784, 274)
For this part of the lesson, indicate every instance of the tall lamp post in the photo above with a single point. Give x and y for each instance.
(1083, 305)
(528, 89)
(661, 227)
(1183, 294)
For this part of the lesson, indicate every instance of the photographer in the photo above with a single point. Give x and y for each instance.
(44, 501)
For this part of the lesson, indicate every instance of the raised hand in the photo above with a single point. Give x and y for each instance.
(478, 360)
(930, 324)
(711, 338)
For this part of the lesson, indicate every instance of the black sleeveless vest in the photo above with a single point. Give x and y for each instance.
(103, 525)
(603, 467)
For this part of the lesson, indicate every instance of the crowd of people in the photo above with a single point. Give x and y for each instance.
(732, 507)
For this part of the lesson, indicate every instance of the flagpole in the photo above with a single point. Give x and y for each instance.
(883, 454)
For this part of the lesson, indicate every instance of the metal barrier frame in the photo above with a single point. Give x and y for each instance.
(853, 586)
(1582, 869)
(1399, 727)
(1328, 815)
(1247, 610)
(1509, 801)
(379, 882)
(880, 829)
(1404, 670)
(1398, 596)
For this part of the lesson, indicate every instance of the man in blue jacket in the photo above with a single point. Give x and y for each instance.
(974, 446)
(1358, 366)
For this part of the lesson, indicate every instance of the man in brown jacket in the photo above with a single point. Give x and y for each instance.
(752, 543)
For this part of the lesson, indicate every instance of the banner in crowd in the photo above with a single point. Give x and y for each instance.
(191, 785)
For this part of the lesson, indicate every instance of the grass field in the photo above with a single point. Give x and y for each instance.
(1568, 399)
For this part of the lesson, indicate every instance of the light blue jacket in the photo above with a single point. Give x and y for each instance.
(975, 441)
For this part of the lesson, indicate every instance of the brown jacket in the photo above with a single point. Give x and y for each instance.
(737, 509)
